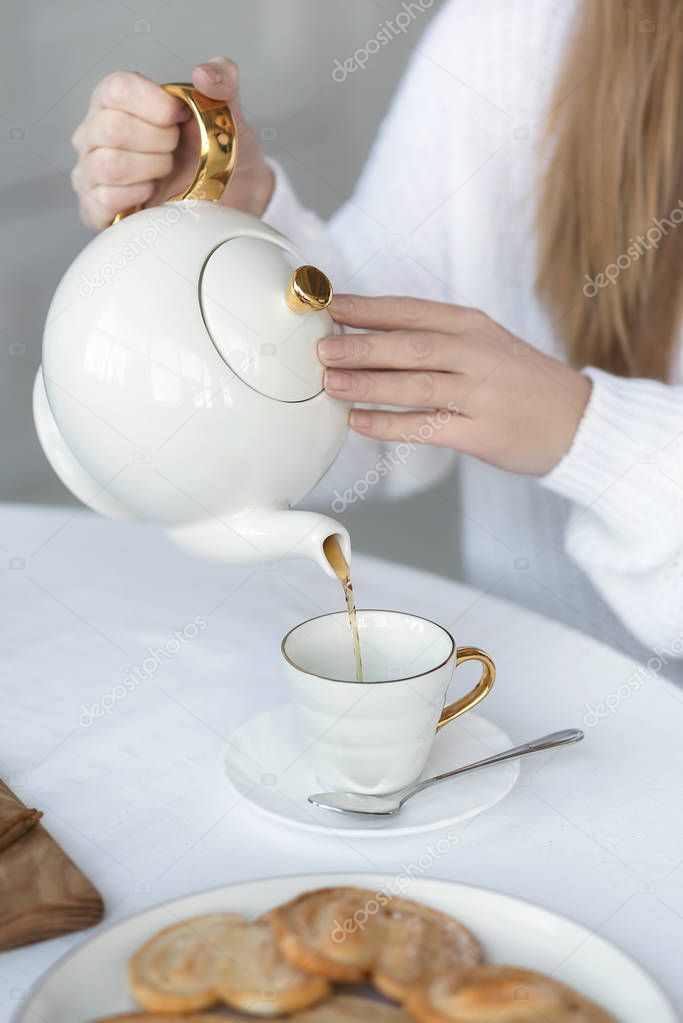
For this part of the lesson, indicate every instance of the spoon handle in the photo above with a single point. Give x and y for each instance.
(563, 738)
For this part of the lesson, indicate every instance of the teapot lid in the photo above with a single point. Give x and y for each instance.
(265, 313)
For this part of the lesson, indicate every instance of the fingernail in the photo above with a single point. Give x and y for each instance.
(359, 419)
(212, 72)
(337, 380)
(333, 348)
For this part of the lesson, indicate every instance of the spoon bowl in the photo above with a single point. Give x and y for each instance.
(386, 805)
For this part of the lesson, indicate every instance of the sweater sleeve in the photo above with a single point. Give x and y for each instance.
(624, 473)
(384, 239)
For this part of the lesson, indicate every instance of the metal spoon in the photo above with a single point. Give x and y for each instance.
(357, 802)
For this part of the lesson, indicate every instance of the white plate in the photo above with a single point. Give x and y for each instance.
(265, 762)
(90, 981)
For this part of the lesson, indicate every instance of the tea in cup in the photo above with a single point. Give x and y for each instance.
(375, 736)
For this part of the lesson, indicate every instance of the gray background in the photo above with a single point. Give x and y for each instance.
(51, 57)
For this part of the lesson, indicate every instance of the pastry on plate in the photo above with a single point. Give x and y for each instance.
(198, 963)
(417, 941)
(506, 994)
(349, 934)
(331, 932)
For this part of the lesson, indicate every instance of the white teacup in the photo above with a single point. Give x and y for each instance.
(375, 736)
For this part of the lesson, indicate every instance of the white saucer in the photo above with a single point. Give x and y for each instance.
(265, 762)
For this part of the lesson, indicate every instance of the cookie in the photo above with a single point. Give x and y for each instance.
(331, 932)
(350, 934)
(257, 979)
(176, 970)
(418, 941)
(506, 994)
(198, 963)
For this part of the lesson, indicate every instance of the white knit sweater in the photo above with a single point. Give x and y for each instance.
(444, 210)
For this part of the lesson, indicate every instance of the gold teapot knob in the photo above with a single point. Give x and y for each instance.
(308, 289)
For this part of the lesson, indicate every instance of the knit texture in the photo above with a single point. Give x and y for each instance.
(444, 210)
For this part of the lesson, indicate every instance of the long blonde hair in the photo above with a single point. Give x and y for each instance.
(613, 171)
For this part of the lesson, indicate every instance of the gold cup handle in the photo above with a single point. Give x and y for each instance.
(217, 146)
(482, 688)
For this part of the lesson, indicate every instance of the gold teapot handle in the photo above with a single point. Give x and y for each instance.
(217, 146)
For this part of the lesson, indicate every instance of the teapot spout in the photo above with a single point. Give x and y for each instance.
(262, 535)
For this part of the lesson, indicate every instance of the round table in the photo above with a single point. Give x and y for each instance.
(136, 796)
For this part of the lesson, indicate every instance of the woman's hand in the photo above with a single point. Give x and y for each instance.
(137, 144)
(489, 394)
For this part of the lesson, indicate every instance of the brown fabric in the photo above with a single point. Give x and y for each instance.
(15, 818)
(42, 892)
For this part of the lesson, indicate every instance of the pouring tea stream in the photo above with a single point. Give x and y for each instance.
(335, 556)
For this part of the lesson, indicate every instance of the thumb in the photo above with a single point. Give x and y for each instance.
(217, 78)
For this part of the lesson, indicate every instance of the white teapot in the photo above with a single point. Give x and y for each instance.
(180, 382)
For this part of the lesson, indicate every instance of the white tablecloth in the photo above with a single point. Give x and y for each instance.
(136, 797)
